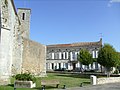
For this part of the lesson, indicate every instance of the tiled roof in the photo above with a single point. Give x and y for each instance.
(99, 43)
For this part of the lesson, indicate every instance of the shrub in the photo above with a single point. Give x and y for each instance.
(25, 77)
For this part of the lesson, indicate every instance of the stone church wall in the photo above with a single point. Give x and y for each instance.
(34, 57)
(8, 16)
(17, 54)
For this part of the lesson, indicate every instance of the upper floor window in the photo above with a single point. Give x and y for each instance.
(73, 56)
(65, 55)
(62, 55)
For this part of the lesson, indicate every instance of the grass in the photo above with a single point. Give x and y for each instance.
(70, 80)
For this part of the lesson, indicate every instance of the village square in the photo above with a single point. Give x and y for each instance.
(26, 64)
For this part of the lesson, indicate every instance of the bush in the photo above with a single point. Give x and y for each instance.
(61, 69)
(25, 77)
(89, 71)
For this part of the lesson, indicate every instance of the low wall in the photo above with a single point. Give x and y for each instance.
(24, 84)
(108, 80)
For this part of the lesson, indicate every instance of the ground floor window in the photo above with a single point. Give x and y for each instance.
(66, 65)
(52, 65)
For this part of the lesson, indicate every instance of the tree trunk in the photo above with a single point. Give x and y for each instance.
(108, 71)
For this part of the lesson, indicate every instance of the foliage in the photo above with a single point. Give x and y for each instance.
(118, 58)
(25, 77)
(94, 59)
(108, 57)
(85, 57)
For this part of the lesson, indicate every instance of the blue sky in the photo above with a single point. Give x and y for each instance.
(69, 21)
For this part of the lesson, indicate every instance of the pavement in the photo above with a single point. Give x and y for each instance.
(113, 86)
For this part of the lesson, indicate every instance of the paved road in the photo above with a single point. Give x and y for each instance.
(115, 86)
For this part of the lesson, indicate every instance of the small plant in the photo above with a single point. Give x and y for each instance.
(25, 77)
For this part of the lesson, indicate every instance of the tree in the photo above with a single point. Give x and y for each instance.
(108, 57)
(118, 67)
(85, 57)
(118, 58)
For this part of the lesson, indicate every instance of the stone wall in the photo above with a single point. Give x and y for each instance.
(8, 20)
(108, 80)
(0, 22)
(18, 54)
(34, 57)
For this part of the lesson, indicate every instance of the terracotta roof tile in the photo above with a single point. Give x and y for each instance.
(77, 44)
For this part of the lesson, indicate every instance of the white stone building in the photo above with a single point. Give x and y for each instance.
(65, 55)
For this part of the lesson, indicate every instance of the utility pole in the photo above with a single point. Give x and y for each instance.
(101, 35)
(24, 3)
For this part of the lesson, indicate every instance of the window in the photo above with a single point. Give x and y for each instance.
(96, 54)
(66, 65)
(52, 55)
(52, 65)
(65, 55)
(73, 56)
(62, 55)
(57, 55)
(23, 16)
(93, 54)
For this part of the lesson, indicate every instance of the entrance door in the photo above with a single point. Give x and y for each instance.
(59, 65)
(74, 66)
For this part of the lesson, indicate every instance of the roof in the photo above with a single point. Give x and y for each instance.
(14, 7)
(99, 43)
(24, 8)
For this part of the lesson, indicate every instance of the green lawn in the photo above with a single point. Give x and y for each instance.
(70, 80)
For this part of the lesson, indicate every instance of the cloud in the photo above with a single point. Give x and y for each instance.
(116, 1)
(113, 1)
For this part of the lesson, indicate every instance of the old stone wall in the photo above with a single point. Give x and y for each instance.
(8, 20)
(108, 80)
(18, 54)
(34, 57)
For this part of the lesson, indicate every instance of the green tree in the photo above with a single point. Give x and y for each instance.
(118, 58)
(85, 57)
(108, 57)
(118, 67)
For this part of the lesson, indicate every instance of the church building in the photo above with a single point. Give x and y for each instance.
(18, 54)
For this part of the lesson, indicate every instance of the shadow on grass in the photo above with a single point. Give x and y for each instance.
(74, 75)
(46, 87)
(86, 82)
(12, 85)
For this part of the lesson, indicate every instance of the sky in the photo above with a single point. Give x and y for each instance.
(70, 21)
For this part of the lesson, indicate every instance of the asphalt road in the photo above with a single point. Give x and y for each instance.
(114, 86)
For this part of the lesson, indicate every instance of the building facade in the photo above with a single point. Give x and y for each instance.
(18, 54)
(65, 55)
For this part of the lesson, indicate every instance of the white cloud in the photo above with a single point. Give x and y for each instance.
(112, 1)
